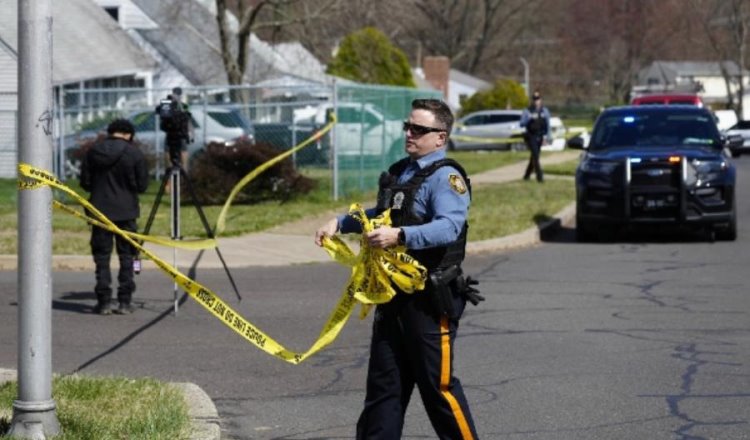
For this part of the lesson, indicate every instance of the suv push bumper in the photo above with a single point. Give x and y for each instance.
(654, 193)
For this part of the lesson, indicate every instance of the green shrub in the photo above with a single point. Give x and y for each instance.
(368, 56)
(505, 94)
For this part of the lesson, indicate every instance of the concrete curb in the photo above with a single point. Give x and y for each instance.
(527, 238)
(201, 409)
(202, 412)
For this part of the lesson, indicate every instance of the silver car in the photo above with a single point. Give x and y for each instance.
(488, 129)
(741, 128)
(211, 124)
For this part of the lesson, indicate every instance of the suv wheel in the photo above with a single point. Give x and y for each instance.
(729, 232)
(585, 231)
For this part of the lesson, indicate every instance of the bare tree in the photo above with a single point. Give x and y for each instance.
(726, 24)
(253, 16)
(470, 32)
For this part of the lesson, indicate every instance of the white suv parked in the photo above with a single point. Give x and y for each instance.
(488, 129)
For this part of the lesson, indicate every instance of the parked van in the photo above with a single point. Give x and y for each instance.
(361, 128)
(668, 99)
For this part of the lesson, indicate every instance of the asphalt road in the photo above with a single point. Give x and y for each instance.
(647, 337)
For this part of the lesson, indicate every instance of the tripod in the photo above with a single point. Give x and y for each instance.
(172, 177)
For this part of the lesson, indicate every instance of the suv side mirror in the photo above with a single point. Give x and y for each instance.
(576, 143)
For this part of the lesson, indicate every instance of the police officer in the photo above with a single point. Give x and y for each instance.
(535, 119)
(414, 334)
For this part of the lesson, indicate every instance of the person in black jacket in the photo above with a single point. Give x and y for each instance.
(114, 171)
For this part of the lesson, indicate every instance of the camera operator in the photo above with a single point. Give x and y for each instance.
(177, 123)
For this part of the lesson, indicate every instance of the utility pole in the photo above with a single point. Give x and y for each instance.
(526, 76)
(34, 415)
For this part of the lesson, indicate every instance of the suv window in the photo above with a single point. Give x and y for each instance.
(475, 120)
(619, 130)
(500, 119)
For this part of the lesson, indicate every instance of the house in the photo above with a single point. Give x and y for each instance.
(89, 52)
(704, 78)
(436, 74)
(183, 36)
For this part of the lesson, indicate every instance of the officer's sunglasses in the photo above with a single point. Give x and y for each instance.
(420, 130)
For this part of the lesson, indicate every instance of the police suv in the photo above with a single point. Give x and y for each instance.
(655, 165)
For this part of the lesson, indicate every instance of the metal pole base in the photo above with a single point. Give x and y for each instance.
(34, 420)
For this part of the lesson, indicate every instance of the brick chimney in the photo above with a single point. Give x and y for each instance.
(437, 72)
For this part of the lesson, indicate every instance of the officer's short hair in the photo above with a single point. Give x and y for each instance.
(121, 126)
(440, 109)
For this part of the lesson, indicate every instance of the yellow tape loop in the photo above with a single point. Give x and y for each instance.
(375, 270)
(220, 222)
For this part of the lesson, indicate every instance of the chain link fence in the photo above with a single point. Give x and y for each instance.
(8, 142)
(365, 140)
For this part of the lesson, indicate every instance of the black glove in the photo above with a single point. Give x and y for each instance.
(471, 293)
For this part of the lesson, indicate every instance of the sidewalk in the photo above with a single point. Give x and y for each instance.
(293, 243)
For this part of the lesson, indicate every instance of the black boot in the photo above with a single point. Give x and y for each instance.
(125, 308)
(102, 308)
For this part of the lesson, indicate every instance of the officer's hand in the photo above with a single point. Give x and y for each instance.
(327, 230)
(383, 237)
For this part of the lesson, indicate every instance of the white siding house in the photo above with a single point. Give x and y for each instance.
(89, 51)
(702, 77)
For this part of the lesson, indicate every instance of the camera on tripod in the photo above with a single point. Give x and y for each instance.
(174, 120)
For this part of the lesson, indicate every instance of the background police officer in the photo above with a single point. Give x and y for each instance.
(414, 334)
(535, 119)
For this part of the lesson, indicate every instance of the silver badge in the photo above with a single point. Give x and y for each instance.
(398, 200)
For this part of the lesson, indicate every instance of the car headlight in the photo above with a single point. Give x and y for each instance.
(708, 166)
(705, 170)
(598, 166)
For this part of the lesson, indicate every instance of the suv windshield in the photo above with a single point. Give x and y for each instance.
(656, 129)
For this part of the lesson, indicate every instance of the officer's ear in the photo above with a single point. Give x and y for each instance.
(442, 138)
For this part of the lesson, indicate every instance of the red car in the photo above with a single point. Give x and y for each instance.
(682, 99)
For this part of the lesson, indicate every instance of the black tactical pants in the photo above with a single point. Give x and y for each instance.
(101, 249)
(534, 143)
(411, 346)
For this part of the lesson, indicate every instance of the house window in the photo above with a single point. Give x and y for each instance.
(114, 12)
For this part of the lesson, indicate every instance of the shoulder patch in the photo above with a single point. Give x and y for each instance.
(457, 183)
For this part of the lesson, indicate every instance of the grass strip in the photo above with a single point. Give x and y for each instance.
(100, 408)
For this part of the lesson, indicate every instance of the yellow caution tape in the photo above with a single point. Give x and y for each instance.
(487, 140)
(516, 137)
(194, 245)
(373, 270)
(220, 222)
